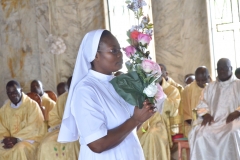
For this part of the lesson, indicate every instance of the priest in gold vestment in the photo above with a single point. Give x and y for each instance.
(21, 125)
(49, 148)
(191, 96)
(155, 134)
(169, 79)
(47, 102)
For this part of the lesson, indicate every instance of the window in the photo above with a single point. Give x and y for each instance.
(120, 19)
(224, 25)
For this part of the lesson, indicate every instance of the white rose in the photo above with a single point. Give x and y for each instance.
(151, 90)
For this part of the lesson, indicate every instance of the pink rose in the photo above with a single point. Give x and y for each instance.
(144, 39)
(130, 51)
(157, 70)
(160, 93)
(151, 67)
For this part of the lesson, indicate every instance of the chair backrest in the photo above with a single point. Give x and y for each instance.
(35, 97)
(52, 95)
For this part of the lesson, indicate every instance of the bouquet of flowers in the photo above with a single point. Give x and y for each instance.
(141, 81)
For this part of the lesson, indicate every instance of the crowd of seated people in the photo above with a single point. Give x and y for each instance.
(30, 123)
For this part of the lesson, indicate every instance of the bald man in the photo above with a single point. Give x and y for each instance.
(191, 95)
(216, 135)
(47, 102)
(189, 78)
(237, 73)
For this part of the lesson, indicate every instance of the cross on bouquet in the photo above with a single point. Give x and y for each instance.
(141, 81)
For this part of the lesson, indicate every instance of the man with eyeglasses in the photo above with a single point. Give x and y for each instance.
(217, 134)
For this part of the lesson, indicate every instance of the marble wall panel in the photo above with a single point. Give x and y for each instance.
(47, 60)
(181, 36)
(2, 88)
(37, 2)
(25, 24)
(18, 36)
(29, 46)
(72, 22)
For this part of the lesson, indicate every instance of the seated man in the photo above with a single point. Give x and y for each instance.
(191, 95)
(237, 73)
(155, 134)
(169, 79)
(47, 102)
(217, 134)
(189, 78)
(62, 88)
(21, 125)
(51, 149)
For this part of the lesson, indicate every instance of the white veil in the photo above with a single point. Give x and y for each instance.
(86, 54)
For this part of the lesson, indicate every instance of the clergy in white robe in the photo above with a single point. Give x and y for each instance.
(216, 135)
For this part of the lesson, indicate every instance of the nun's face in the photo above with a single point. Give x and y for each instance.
(109, 56)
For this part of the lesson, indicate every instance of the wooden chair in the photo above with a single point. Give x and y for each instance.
(182, 144)
(37, 98)
(52, 95)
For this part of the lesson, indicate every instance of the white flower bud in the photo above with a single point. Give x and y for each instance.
(151, 90)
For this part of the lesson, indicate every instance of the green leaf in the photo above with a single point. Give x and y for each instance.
(150, 24)
(151, 100)
(55, 149)
(129, 66)
(63, 148)
(151, 79)
(129, 41)
(130, 87)
(128, 1)
(138, 60)
(128, 33)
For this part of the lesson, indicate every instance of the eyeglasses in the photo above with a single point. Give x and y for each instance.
(225, 69)
(113, 51)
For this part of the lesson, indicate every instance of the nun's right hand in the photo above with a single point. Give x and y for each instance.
(141, 115)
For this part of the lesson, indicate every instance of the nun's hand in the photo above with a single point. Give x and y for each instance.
(141, 115)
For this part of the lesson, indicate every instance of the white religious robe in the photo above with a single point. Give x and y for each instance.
(219, 141)
(101, 109)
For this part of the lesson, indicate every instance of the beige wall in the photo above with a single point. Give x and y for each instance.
(181, 36)
(25, 24)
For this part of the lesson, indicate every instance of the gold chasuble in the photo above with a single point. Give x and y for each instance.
(48, 103)
(25, 123)
(49, 148)
(190, 99)
(154, 134)
(175, 84)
